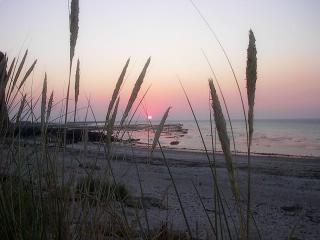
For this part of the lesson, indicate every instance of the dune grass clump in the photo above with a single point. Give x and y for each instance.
(220, 124)
(16, 202)
(102, 189)
(28, 213)
(10, 89)
(165, 232)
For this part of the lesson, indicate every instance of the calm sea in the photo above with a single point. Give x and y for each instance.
(289, 137)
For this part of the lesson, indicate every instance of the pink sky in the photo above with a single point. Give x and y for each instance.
(173, 34)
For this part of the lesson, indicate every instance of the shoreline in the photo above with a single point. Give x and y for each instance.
(174, 128)
(240, 153)
(303, 167)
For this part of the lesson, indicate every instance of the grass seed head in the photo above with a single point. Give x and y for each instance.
(74, 26)
(50, 103)
(117, 89)
(159, 130)
(223, 137)
(251, 75)
(77, 83)
(44, 100)
(135, 91)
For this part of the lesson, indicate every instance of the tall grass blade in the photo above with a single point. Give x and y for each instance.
(135, 92)
(23, 101)
(10, 71)
(176, 190)
(226, 56)
(29, 71)
(111, 123)
(17, 74)
(205, 210)
(12, 78)
(27, 74)
(135, 110)
(159, 130)
(117, 89)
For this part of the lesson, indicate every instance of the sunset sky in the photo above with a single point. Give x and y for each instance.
(173, 34)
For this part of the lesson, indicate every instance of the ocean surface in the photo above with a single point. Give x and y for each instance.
(284, 137)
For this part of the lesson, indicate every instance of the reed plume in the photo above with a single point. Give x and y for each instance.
(159, 130)
(27, 74)
(29, 71)
(76, 89)
(225, 145)
(17, 74)
(117, 89)
(223, 137)
(111, 123)
(6, 77)
(251, 75)
(43, 101)
(135, 92)
(10, 70)
(50, 103)
(74, 27)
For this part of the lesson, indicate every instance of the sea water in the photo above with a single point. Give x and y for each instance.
(300, 137)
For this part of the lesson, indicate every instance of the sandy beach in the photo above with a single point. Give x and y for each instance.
(285, 189)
